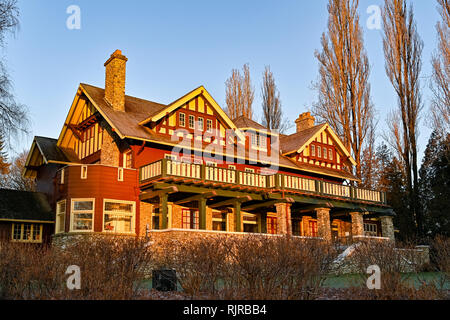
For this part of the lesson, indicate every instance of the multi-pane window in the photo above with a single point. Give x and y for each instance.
(191, 122)
(209, 124)
(319, 152)
(27, 232)
(313, 150)
(272, 225)
(258, 140)
(330, 151)
(263, 142)
(182, 119)
(119, 216)
(190, 219)
(313, 230)
(128, 160)
(201, 124)
(60, 216)
(325, 153)
(83, 215)
(370, 229)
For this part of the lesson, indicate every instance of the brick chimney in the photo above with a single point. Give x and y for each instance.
(115, 80)
(305, 121)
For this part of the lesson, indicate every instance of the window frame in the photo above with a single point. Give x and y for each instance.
(209, 125)
(191, 124)
(84, 172)
(58, 214)
(22, 229)
(72, 205)
(200, 120)
(125, 160)
(194, 219)
(313, 151)
(133, 216)
(120, 174)
(182, 119)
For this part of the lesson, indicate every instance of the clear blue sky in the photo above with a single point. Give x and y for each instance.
(175, 46)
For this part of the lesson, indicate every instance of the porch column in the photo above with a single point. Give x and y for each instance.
(237, 216)
(323, 223)
(284, 218)
(202, 213)
(163, 208)
(357, 223)
(387, 227)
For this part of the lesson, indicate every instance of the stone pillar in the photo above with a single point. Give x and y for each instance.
(387, 227)
(145, 218)
(323, 223)
(231, 220)
(164, 210)
(284, 218)
(110, 153)
(357, 223)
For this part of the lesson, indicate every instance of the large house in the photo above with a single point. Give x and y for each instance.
(128, 166)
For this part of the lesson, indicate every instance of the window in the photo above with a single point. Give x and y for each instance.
(211, 164)
(250, 223)
(27, 232)
(182, 119)
(128, 160)
(330, 154)
(263, 142)
(190, 219)
(191, 122)
(118, 216)
(272, 225)
(119, 174)
(325, 153)
(255, 140)
(201, 124)
(170, 157)
(83, 215)
(60, 217)
(313, 151)
(313, 231)
(232, 167)
(219, 221)
(370, 229)
(84, 172)
(319, 152)
(209, 125)
(296, 227)
(62, 176)
(249, 170)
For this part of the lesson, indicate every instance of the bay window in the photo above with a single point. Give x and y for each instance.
(118, 216)
(82, 215)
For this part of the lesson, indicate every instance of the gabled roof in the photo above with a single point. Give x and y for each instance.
(245, 123)
(49, 150)
(24, 206)
(293, 142)
(297, 142)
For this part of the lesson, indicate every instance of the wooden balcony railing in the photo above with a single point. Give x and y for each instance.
(165, 168)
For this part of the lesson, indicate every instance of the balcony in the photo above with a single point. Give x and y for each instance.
(278, 182)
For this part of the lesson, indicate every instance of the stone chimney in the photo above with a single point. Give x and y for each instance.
(305, 121)
(115, 80)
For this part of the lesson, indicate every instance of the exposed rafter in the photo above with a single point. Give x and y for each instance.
(153, 194)
(205, 195)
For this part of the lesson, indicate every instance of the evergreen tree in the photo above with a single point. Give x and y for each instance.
(435, 185)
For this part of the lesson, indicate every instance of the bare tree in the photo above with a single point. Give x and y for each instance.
(440, 106)
(403, 53)
(13, 115)
(13, 179)
(343, 85)
(271, 104)
(239, 94)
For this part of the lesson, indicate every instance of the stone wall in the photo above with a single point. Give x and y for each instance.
(110, 153)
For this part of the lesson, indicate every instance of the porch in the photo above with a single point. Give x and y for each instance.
(186, 196)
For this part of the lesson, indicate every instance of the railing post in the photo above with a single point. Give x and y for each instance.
(318, 186)
(238, 177)
(163, 168)
(203, 172)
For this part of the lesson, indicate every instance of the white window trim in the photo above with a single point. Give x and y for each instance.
(211, 164)
(210, 129)
(170, 157)
(72, 203)
(202, 127)
(119, 174)
(82, 170)
(133, 219)
(193, 123)
(184, 119)
(232, 167)
(62, 176)
(57, 222)
(22, 224)
(125, 159)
